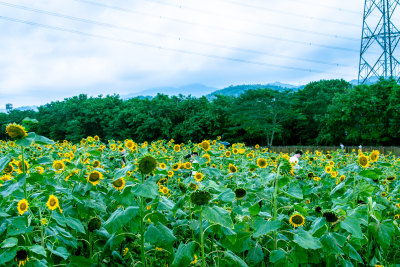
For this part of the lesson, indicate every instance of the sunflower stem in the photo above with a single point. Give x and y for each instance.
(203, 258)
(90, 245)
(354, 192)
(41, 229)
(23, 171)
(142, 252)
(275, 206)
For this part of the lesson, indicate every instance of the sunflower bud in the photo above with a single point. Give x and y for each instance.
(147, 164)
(94, 224)
(182, 187)
(330, 216)
(200, 197)
(240, 193)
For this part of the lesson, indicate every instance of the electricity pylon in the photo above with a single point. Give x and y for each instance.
(379, 53)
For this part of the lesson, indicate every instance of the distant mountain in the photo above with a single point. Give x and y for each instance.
(236, 90)
(34, 108)
(196, 90)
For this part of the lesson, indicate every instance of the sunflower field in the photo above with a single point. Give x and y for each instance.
(122, 203)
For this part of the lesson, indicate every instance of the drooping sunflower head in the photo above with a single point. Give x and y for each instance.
(58, 165)
(193, 186)
(262, 163)
(240, 193)
(16, 131)
(206, 145)
(363, 161)
(200, 197)
(207, 157)
(22, 257)
(147, 164)
(232, 168)
(182, 187)
(9, 168)
(198, 176)
(297, 220)
(94, 224)
(22, 206)
(330, 216)
(96, 164)
(94, 177)
(310, 175)
(119, 184)
(318, 209)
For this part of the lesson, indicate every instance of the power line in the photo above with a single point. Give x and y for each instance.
(164, 35)
(221, 28)
(182, 51)
(254, 21)
(291, 13)
(327, 6)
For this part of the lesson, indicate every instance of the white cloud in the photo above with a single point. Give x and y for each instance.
(39, 65)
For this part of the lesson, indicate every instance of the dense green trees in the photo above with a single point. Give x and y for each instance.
(326, 112)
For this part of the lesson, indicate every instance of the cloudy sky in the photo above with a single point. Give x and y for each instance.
(52, 49)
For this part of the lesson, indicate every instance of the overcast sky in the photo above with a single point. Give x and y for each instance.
(52, 49)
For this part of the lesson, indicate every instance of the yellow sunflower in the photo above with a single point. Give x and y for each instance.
(94, 177)
(374, 156)
(363, 161)
(188, 165)
(9, 168)
(162, 166)
(232, 168)
(96, 163)
(170, 173)
(206, 156)
(119, 184)
(53, 203)
(328, 169)
(22, 206)
(22, 257)
(228, 154)
(206, 145)
(297, 220)
(16, 131)
(58, 165)
(177, 148)
(129, 144)
(176, 166)
(165, 190)
(198, 176)
(262, 163)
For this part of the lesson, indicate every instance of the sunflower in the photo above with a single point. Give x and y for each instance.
(297, 220)
(240, 193)
(16, 131)
(44, 221)
(121, 149)
(147, 164)
(177, 148)
(228, 154)
(94, 224)
(170, 173)
(187, 165)
(397, 216)
(119, 184)
(194, 261)
(125, 251)
(8, 169)
(113, 147)
(374, 156)
(206, 145)
(317, 179)
(235, 151)
(200, 197)
(207, 157)
(262, 163)
(5, 177)
(176, 166)
(198, 176)
(257, 146)
(383, 194)
(165, 190)
(363, 161)
(20, 167)
(129, 144)
(193, 186)
(328, 169)
(310, 175)
(52, 203)
(331, 163)
(232, 168)
(391, 178)
(58, 165)
(22, 206)
(250, 155)
(96, 164)
(22, 257)
(342, 178)
(94, 177)
(162, 166)
(330, 216)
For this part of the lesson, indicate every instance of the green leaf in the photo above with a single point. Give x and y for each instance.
(4, 162)
(234, 260)
(383, 232)
(119, 218)
(218, 215)
(349, 250)
(44, 160)
(295, 191)
(184, 255)
(330, 244)
(255, 255)
(28, 120)
(255, 209)
(283, 181)
(11, 186)
(27, 140)
(317, 224)
(75, 224)
(9, 242)
(60, 251)
(148, 190)
(306, 240)
(266, 228)
(3, 214)
(352, 225)
(276, 255)
(7, 255)
(300, 209)
(38, 250)
(159, 235)
(227, 196)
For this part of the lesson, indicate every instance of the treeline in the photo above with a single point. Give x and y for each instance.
(327, 112)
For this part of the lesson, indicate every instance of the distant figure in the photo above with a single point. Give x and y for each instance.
(341, 146)
(295, 158)
(360, 147)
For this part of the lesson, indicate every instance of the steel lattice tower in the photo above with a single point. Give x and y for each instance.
(379, 53)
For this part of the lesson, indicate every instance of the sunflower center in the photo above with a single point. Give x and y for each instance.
(58, 166)
(23, 206)
(297, 219)
(118, 183)
(22, 255)
(53, 202)
(94, 177)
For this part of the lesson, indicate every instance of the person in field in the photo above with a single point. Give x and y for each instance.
(296, 157)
